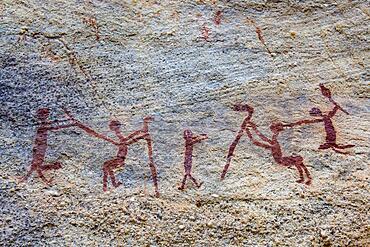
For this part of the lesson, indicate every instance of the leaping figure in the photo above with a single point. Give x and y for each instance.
(331, 134)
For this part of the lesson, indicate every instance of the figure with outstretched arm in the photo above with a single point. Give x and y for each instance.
(143, 134)
(249, 111)
(122, 145)
(274, 146)
(119, 160)
(190, 140)
(40, 146)
(331, 134)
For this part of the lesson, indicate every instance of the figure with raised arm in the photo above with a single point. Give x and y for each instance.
(40, 146)
(122, 144)
(143, 134)
(331, 134)
(190, 140)
(249, 111)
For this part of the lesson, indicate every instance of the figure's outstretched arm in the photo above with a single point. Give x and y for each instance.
(335, 110)
(255, 142)
(303, 122)
(54, 128)
(134, 139)
(135, 134)
(199, 138)
(92, 132)
(260, 135)
(89, 130)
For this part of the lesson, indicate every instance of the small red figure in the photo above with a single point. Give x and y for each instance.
(331, 134)
(205, 32)
(122, 145)
(40, 146)
(275, 148)
(218, 16)
(241, 108)
(190, 140)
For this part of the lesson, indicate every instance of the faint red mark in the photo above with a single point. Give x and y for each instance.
(205, 33)
(91, 22)
(190, 140)
(259, 35)
(218, 16)
(331, 134)
(41, 145)
(271, 144)
(122, 145)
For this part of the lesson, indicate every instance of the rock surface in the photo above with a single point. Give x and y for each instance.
(185, 63)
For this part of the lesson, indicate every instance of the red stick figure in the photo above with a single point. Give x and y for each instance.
(331, 134)
(40, 147)
(274, 145)
(241, 108)
(190, 140)
(122, 145)
(218, 16)
(205, 33)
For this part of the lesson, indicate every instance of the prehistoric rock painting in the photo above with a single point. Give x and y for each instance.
(241, 108)
(122, 144)
(190, 140)
(331, 134)
(40, 146)
(272, 144)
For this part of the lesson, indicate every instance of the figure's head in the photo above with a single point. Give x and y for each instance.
(244, 108)
(315, 112)
(188, 134)
(148, 119)
(42, 113)
(276, 127)
(114, 125)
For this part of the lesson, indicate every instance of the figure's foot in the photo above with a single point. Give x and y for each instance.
(57, 165)
(117, 184)
(157, 194)
(105, 188)
(200, 184)
(181, 188)
(308, 182)
(300, 180)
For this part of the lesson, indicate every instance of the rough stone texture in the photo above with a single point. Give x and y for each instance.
(151, 58)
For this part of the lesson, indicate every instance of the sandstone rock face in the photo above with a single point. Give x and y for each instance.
(186, 64)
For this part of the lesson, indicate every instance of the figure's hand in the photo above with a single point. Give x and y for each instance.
(325, 91)
(205, 136)
(68, 114)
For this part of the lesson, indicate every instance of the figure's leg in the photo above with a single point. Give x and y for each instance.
(325, 146)
(337, 151)
(153, 169)
(183, 182)
(41, 175)
(105, 177)
(195, 181)
(308, 175)
(230, 154)
(25, 177)
(300, 171)
(113, 165)
(343, 146)
(51, 166)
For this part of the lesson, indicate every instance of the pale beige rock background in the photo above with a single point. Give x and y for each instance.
(151, 59)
